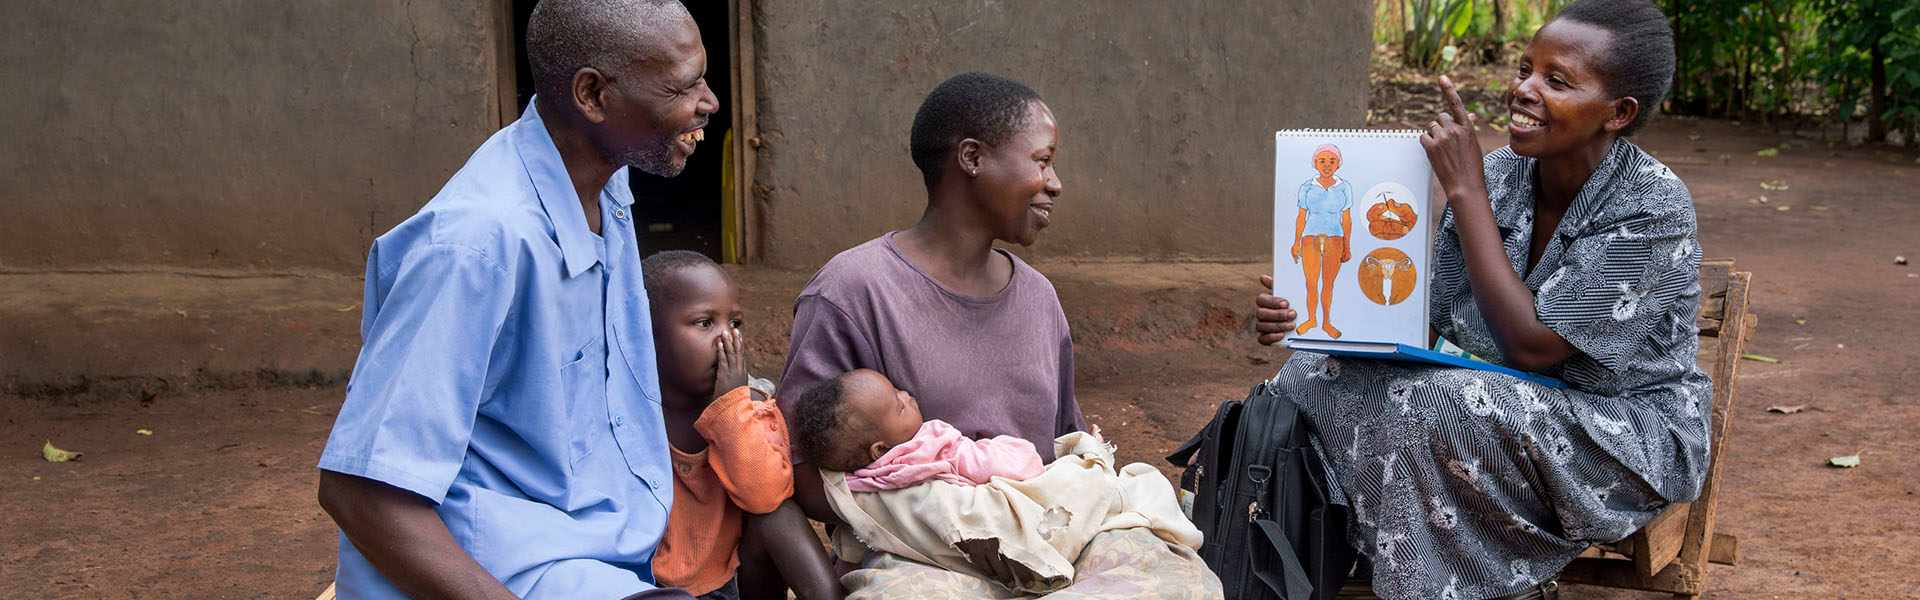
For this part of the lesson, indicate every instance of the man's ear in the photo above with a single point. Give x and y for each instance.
(589, 93)
(1624, 111)
(969, 155)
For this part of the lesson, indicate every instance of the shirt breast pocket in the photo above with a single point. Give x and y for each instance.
(584, 385)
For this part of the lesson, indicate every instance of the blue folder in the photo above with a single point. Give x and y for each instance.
(1403, 352)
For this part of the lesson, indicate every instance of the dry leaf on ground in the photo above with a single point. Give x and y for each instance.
(53, 454)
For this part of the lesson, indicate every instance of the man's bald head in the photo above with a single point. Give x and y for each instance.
(564, 36)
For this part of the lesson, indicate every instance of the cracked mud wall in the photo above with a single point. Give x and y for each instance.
(1166, 113)
(232, 135)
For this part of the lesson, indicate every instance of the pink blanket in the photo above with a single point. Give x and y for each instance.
(938, 451)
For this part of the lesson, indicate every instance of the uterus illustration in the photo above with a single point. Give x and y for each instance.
(1387, 276)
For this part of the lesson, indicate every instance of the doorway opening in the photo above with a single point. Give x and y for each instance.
(684, 212)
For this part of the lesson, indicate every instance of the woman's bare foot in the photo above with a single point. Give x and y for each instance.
(1304, 326)
(1331, 332)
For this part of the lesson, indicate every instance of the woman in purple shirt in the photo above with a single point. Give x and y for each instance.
(972, 331)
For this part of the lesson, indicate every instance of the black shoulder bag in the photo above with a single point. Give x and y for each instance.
(1259, 493)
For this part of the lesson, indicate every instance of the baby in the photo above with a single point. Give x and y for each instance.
(923, 492)
(860, 424)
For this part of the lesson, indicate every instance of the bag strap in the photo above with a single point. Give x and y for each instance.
(1291, 583)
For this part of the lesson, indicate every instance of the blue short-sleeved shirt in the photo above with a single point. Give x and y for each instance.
(507, 374)
(1323, 206)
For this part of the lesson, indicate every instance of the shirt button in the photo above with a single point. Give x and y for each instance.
(619, 421)
(653, 484)
(619, 213)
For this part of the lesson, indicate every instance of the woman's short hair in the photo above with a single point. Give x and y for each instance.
(982, 106)
(1639, 60)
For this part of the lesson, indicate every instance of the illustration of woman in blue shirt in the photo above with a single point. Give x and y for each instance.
(1320, 236)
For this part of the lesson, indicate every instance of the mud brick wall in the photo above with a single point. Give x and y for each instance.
(232, 135)
(1166, 113)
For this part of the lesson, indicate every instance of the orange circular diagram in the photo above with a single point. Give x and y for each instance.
(1387, 276)
(1391, 220)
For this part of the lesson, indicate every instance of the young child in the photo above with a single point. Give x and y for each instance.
(922, 491)
(860, 424)
(731, 473)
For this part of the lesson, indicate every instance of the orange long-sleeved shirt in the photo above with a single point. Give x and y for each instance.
(744, 468)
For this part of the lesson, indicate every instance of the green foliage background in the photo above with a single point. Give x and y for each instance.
(1753, 59)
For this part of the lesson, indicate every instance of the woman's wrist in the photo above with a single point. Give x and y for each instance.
(1468, 197)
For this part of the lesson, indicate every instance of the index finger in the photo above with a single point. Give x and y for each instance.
(1455, 106)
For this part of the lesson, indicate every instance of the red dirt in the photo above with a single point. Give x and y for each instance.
(218, 501)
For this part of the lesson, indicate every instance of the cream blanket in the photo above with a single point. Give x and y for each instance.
(1042, 523)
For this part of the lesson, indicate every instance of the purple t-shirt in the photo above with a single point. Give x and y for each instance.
(988, 365)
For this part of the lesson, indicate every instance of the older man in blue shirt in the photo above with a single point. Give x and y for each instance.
(502, 434)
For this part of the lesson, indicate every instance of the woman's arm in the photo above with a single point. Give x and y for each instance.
(1346, 235)
(1299, 224)
(1503, 298)
(402, 537)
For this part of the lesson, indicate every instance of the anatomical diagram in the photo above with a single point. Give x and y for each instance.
(1390, 220)
(1387, 276)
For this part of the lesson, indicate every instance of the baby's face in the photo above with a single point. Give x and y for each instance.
(893, 413)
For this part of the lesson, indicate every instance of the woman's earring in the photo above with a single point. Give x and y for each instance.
(974, 172)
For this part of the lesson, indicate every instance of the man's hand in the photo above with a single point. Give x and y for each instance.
(1272, 317)
(731, 372)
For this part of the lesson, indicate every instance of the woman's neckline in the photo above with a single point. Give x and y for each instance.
(1013, 279)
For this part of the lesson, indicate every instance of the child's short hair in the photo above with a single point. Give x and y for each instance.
(823, 427)
(656, 272)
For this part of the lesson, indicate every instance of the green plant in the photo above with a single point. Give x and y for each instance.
(1434, 23)
(1875, 45)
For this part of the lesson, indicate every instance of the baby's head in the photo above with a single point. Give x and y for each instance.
(845, 423)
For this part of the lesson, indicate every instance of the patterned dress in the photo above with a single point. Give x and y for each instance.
(1466, 484)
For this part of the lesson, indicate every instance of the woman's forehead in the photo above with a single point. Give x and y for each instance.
(1569, 44)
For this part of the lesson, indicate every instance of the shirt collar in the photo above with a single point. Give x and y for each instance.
(1587, 206)
(555, 188)
(1515, 208)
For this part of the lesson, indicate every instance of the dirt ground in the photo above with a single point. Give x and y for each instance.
(238, 380)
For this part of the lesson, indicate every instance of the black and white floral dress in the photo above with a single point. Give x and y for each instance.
(1466, 484)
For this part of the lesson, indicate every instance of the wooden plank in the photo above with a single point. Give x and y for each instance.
(1725, 374)
(746, 131)
(1708, 326)
(1709, 354)
(1712, 306)
(1716, 269)
(1677, 578)
(1658, 542)
(1724, 550)
(506, 81)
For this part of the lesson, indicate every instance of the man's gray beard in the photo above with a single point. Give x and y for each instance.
(657, 159)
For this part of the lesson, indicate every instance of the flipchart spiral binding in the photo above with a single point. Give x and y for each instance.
(1363, 133)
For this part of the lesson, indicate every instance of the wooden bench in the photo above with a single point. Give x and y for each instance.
(1670, 554)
